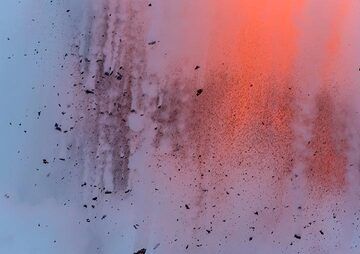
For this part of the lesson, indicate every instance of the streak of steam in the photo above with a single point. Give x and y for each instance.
(111, 63)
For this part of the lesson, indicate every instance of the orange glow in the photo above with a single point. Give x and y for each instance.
(248, 85)
(251, 86)
(327, 164)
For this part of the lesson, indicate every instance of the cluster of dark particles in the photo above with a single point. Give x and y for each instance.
(244, 139)
(170, 131)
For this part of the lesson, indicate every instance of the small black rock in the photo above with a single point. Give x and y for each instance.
(199, 91)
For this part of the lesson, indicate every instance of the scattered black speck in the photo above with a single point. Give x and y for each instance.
(199, 91)
(57, 127)
(89, 92)
(119, 76)
(142, 251)
(297, 236)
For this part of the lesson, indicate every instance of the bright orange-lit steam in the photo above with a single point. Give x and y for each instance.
(327, 163)
(251, 86)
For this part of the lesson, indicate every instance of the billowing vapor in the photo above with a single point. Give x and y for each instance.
(222, 126)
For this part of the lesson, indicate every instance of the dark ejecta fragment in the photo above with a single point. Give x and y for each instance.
(142, 251)
(89, 92)
(57, 127)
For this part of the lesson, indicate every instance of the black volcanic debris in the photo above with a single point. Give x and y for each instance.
(297, 236)
(141, 251)
(118, 76)
(57, 127)
(156, 246)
